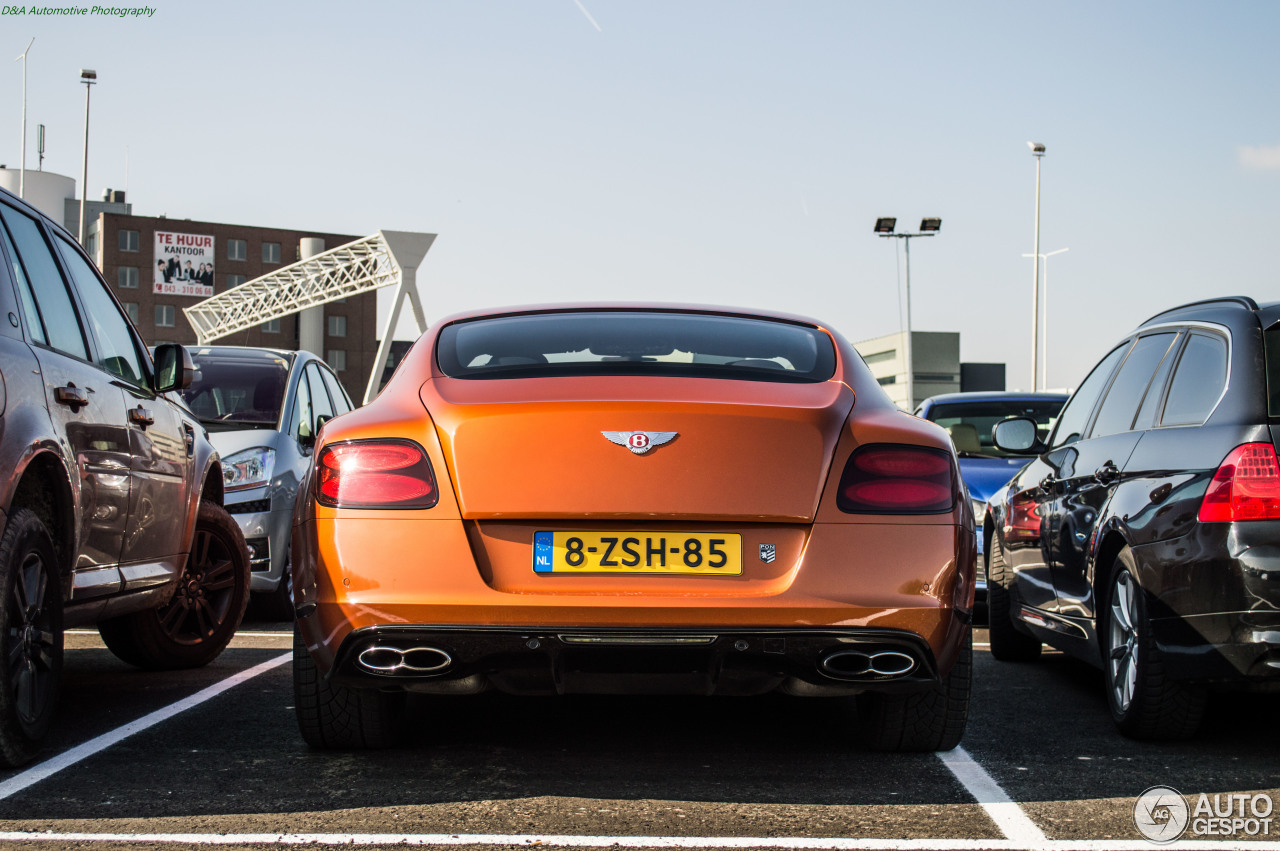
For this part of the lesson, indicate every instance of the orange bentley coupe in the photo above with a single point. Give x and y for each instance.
(633, 499)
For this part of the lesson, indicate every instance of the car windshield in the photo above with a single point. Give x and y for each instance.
(635, 343)
(970, 422)
(237, 391)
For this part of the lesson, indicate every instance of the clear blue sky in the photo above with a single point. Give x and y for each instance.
(717, 152)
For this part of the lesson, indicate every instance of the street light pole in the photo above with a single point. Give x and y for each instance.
(928, 227)
(1037, 151)
(22, 167)
(88, 77)
(1044, 365)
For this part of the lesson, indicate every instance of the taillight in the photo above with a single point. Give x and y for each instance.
(375, 474)
(889, 478)
(1246, 486)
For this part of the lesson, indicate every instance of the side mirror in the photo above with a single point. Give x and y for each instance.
(174, 368)
(1017, 434)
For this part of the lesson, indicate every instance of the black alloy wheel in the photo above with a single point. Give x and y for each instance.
(206, 608)
(30, 637)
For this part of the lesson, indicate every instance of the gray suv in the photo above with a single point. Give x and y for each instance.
(110, 491)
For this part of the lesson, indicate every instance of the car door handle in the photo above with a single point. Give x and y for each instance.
(1107, 473)
(71, 395)
(1048, 482)
(189, 438)
(140, 416)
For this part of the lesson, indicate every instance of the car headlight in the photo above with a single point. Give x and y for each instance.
(247, 469)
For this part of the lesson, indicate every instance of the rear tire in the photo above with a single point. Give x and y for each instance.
(205, 610)
(338, 717)
(1145, 702)
(931, 720)
(30, 636)
(1008, 643)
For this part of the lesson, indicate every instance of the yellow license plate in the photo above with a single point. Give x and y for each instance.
(637, 552)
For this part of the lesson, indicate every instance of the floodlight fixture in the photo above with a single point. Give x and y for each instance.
(88, 74)
(930, 225)
(885, 224)
(1037, 148)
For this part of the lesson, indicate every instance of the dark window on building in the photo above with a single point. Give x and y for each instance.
(270, 252)
(166, 315)
(237, 249)
(271, 326)
(127, 277)
(131, 308)
(337, 326)
(235, 280)
(128, 240)
(337, 359)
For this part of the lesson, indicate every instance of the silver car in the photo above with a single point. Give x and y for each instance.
(262, 408)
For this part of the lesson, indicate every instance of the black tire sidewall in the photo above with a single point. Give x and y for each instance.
(140, 639)
(23, 536)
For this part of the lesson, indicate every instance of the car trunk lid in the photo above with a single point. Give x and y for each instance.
(567, 448)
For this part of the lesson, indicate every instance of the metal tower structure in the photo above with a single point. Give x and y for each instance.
(384, 259)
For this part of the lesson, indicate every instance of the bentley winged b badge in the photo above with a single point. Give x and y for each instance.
(640, 442)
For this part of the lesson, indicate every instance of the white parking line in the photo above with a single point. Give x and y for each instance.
(1007, 815)
(546, 841)
(49, 767)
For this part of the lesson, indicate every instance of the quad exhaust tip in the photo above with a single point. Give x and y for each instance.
(867, 664)
(397, 661)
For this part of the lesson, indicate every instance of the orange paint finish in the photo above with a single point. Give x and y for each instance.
(761, 449)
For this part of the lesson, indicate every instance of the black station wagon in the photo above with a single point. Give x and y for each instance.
(1145, 538)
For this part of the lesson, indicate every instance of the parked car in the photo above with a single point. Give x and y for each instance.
(622, 500)
(985, 468)
(1145, 537)
(262, 408)
(111, 492)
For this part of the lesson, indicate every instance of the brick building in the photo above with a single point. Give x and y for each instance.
(127, 250)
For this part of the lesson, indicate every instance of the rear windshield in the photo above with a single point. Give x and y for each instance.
(635, 343)
(237, 392)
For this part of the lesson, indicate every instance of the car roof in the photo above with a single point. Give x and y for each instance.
(1220, 309)
(994, 396)
(244, 352)
(643, 306)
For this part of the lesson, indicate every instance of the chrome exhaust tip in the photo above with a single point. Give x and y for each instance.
(397, 661)
(867, 665)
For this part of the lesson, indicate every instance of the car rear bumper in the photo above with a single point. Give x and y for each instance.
(1226, 648)
(577, 660)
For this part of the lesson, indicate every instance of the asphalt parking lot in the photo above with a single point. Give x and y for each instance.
(1040, 766)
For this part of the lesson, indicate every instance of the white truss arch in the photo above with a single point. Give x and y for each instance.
(384, 259)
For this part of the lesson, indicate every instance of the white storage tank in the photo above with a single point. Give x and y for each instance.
(44, 190)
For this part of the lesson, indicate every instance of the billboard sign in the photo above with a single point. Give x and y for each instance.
(184, 264)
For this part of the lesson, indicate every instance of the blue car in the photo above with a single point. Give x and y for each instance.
(969, 418)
